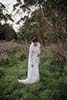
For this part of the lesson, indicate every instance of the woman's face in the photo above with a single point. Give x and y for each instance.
(35, 43)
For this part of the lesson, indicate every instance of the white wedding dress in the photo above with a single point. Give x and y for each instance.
(33, 72)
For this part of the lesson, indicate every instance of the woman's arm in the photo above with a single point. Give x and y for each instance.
(31, 55)
(39, 51)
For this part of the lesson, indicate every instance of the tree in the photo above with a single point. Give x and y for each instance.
(4, 16)
(7, 32)
(50, 18)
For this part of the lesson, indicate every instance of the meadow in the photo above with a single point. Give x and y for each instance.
(53, 77)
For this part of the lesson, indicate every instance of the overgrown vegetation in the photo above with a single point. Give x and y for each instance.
(7, 32)
(52, 85)
(49, 24)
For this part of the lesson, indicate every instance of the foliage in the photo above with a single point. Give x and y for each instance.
(4, 16)
(27, 32)
(38, 24)
(23, 56)
(50, 18)
(7, 32)
(51, 85)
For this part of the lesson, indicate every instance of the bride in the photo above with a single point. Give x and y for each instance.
(33, 63)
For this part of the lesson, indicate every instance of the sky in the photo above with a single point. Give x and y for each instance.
(9, 5)
(16, 16)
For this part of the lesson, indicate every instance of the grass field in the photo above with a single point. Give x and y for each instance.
(52, 84)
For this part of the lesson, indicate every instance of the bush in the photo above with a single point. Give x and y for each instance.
(55, 65)
(2, 73)
(4, 59)
(23, 56)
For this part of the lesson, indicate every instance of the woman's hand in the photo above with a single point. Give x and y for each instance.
(38, 55)
(32, 65)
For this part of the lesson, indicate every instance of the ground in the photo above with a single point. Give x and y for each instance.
(13, 66)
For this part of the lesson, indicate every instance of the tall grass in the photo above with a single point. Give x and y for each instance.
(51, 86)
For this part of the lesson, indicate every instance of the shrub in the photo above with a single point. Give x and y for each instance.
(23, 56)
(4, 59)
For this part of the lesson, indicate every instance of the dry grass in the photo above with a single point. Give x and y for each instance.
(10, 46)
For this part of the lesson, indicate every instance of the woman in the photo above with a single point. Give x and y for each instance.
(33, 63)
